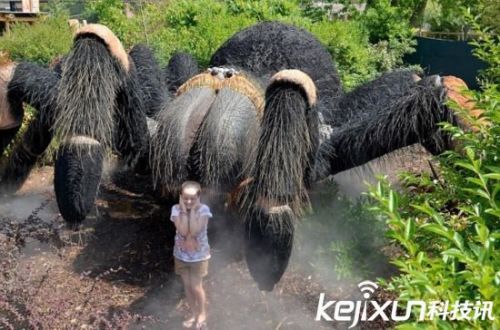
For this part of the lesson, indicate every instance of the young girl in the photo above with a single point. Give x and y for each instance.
(191, 249)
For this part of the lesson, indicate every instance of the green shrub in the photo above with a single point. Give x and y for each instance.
(348, 44)
(452, 15)
(201, 27)
(40, 42)
(384, 21)
(450, 226)
(388, 29)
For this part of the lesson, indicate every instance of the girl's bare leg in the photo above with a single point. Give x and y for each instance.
(190, 297)
(200, 297)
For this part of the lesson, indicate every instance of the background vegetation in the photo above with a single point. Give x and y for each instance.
(40, 43)
(449, 226)
(362, 46)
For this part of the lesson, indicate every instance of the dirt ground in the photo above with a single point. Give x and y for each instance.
(117, 268)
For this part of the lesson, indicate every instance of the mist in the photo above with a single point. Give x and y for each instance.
(336, 246)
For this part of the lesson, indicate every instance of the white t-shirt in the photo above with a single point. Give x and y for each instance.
(203, 251)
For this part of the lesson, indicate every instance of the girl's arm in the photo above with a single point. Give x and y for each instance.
(181, 224)
(180, 218)
(198, 223)
(199, 219)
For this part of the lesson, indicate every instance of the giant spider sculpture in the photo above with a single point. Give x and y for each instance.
(267, 120)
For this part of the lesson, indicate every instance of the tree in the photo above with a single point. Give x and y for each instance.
(413, 9)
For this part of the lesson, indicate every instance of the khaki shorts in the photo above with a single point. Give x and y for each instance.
(199, 268)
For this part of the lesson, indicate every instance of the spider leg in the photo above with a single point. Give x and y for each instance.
(99, 109)
(456, 90)
(395, 123)
(149, 78)
(6, 137)
(77, 174)
(37, 87)
(376, 94)
(180, 68)
(132, 137)
(11, 108)
(281, 174)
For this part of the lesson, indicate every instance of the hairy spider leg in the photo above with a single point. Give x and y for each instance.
(11, 107)
(279, 170)
(149, 77)
(385, 126)
(100, 108)
(37, 87)
(180, 68)
(281, 174)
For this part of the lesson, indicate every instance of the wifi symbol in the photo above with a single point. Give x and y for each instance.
(367, 288)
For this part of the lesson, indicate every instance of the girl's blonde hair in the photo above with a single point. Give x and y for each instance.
(191, 185)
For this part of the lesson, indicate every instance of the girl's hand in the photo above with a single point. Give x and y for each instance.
(182, 206)
(190, 244)
(193, 213)
(197, 205)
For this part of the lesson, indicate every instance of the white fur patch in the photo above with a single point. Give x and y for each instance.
(114, 45)
(325, 130)
(81, 139)
(152, 126)
(280, 209)
(301, 79)
(7, 121)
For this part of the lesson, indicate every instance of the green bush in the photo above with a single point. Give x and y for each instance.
(353, 54)
(39, 43)
(201, 27)
(450, 226)
(384, 21)
(196, 27)
(452, 15)
(388, 28)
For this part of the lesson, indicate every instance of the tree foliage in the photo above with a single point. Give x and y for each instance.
(39, 43)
